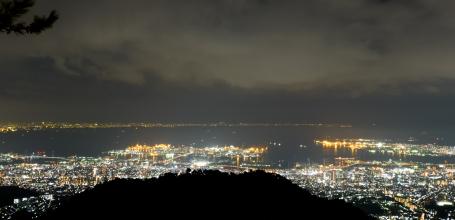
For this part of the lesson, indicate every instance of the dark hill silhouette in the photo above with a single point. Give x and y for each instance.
(9, 193)
(203, 194)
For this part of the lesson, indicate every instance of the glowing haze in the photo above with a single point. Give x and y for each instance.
(253, 60)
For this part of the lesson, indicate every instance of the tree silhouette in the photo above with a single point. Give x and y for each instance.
(12, 10)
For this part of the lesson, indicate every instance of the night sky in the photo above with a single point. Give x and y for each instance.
(387, 62)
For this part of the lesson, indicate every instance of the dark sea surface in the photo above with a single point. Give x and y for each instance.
(287, 145)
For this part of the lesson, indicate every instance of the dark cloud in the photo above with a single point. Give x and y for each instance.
(233, 60)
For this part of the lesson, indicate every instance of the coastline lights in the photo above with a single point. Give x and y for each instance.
(148, 149)
(352, 144)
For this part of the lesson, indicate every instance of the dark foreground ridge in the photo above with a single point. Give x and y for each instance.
(203, 194)
(8, 193)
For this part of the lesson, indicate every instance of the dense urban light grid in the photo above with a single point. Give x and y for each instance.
(395, 188)
(351, 100)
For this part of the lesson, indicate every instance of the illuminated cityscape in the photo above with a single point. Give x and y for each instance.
(390, 190)
(346, 103)
(36, 126)
(403, 149)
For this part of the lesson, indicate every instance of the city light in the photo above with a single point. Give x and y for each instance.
(386, 184)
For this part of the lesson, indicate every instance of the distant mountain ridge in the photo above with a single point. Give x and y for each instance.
(203, 194)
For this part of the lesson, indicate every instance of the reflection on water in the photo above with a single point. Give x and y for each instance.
(286, 145)
(370, 149)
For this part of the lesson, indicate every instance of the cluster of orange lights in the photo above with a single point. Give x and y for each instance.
(249, 150)
(7, 129)
(159, 149)
(342, 144)
(256, 150)
(148, 149)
